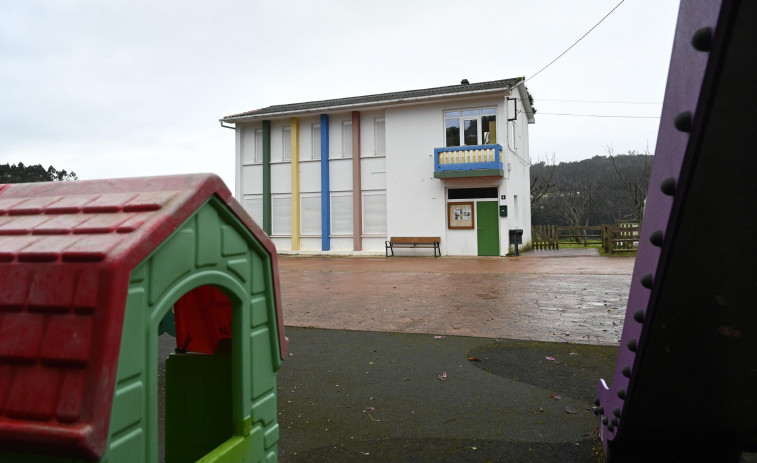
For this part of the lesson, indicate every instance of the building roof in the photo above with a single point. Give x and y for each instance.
(67, 250)
(462, 89)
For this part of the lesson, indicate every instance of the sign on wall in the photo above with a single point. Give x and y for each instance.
(460, 215)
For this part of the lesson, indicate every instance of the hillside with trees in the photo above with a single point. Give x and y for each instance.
(596, 191)
(20, 173)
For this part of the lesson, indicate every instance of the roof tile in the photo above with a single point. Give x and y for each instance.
(101, 223)
(93, 248)
(71, 396)
(112, 202)
(33, 393)
(59, 277)
(67, 340)
(22, 225)
(22, 334)
(70, 204)
(33, 205)
(10, 246)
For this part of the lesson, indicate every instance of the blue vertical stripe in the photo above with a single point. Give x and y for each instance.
(325, 186)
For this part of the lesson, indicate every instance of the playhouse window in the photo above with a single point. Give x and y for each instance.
(470, 127)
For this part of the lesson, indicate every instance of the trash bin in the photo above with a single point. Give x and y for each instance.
(516, 238)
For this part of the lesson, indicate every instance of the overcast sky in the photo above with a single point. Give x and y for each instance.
(112, 88)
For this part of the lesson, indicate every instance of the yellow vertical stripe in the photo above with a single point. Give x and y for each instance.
(295, 139)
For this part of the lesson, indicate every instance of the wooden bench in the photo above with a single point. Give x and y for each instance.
(414, 242)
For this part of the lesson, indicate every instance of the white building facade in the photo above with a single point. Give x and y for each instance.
(346, 175)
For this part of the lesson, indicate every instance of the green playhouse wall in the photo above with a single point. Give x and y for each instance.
(211, 248)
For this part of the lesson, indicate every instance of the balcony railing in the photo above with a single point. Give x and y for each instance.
(468, 161)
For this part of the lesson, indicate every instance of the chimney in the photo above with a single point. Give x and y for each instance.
(464, 82)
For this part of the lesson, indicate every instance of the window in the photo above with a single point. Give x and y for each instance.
(471, 127)
(254, 206)
(286, 144)
(281, 216)
(310, 215)
(472, 193)
(347, 139)
(374, 214)
(258, 145)
(248, 146)
(341, 214)
(380, 136)
(316, 137)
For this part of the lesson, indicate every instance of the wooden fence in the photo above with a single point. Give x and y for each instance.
(544, 237)
(621, 238)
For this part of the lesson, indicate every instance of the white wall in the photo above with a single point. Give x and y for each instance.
(416, 201)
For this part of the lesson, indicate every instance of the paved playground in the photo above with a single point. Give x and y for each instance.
(563, 296)
(449, 359)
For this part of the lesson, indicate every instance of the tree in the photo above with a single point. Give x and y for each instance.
(543, 180)
(573, 206)
(20, 173)
(632, 176)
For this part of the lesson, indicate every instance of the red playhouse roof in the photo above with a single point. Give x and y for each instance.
(66, 252)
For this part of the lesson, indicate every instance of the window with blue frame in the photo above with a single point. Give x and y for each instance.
(467, 127)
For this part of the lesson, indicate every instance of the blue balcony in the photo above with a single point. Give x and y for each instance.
(468, 161)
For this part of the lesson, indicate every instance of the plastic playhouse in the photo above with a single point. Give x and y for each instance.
(92, 272)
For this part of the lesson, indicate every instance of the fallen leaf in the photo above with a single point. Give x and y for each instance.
(443, 376)
(474, 359)
(573, 353)
(439, 337)
(551, 359)
(370, 408)
(541, 409)
(474, 448)
(572, 411)
(556, 397)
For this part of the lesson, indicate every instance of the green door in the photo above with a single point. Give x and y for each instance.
(487, 228)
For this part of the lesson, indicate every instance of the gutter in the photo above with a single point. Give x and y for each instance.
(362, 105)
(227, 126)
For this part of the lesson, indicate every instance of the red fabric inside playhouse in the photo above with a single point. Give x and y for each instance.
(203, 318)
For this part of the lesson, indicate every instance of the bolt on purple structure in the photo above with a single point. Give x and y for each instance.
(684, 384)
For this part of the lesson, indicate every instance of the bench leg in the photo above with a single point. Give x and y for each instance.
(387, 247)
(436, 248)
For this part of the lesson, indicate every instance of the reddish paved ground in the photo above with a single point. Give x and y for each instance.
(567, 296)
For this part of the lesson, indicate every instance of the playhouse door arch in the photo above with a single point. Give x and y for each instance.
(204, 395)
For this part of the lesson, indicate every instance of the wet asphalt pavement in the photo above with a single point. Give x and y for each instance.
(370, 396)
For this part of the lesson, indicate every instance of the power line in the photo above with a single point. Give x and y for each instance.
(598, 115)
(576, 42)
(600, 101)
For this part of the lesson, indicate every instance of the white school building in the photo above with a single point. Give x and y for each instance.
(348, 174)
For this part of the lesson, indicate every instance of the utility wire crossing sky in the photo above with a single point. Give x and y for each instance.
(133, 88)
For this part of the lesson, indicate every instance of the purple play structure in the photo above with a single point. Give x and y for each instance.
(685, 384)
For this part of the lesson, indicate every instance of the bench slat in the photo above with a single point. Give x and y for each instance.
(418, 240)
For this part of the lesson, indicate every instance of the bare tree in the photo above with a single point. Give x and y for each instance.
(543, 179)
(573, 205)
(632, 180)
